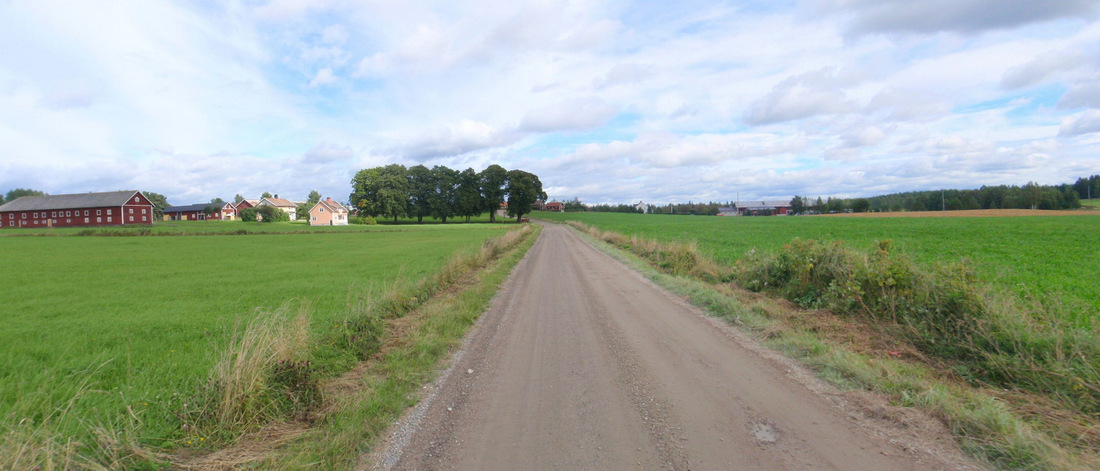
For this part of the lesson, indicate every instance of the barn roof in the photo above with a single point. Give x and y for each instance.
(79, 200)
(186, 209)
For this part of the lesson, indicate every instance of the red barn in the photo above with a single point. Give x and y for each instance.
(116, 208)
(555, 206)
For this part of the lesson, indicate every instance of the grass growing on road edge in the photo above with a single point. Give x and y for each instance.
(421, 331)
(986, 426)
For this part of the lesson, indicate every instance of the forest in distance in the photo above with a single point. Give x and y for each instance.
(1029, 196)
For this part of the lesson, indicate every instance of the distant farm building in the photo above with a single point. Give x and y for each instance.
(114, 208)
(328, 213)
(555, 206)
(245, 204)
(198, 212)
(287, 206)
(641, 207)
(757, 208)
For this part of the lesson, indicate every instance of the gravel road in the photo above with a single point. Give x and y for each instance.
(582, 363)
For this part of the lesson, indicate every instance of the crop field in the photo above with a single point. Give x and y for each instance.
(1049, 257)
(126, 328)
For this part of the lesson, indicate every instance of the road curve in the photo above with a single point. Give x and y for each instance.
(581, 363)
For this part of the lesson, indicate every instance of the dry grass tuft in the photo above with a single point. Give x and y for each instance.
(245, 392)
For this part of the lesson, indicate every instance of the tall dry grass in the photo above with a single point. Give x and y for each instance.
(248, 385)
(989, 337)
(264, 374)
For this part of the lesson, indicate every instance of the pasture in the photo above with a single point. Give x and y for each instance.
(1041, 257)
(110, 331)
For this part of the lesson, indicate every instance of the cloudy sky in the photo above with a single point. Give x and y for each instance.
(608, 101)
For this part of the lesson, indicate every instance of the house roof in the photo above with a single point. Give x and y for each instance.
(79, 200)
(331, 205)
(278, 202)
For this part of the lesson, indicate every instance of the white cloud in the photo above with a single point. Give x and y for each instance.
(575, 114)
(1040, 68)
(1085, 94)
(1084, 123)
(802, 96)
(450, 140)
(960, 16)
(335, 34)
(323, 77)
(327, 153)
(608, 101)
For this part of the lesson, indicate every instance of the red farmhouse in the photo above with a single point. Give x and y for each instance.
(115, 208)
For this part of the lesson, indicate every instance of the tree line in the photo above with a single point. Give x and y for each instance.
(394, 191)
(1029, 196)
(710, 208)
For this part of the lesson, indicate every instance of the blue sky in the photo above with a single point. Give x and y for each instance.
(608, 101)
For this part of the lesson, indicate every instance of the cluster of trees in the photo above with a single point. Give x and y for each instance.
(1087, 188)
(1030, 196)
(17, 193)
(394, 191)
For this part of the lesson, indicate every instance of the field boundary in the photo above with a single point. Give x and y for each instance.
(360, 403)
(851, 353)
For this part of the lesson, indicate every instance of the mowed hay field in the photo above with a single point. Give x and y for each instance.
(113, 333)
(1033, 256)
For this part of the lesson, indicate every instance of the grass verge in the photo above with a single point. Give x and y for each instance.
(1010, 429)
(402, 335)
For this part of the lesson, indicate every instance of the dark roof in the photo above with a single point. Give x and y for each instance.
(79, 200)
(188, 208)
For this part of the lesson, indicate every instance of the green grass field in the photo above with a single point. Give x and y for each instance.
(234, 227)
(1093, 203)
(131, 326)
(1038, 256)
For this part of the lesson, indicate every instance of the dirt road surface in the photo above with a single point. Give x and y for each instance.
(583, 364)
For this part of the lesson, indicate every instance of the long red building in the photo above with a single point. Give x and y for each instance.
(116, 208)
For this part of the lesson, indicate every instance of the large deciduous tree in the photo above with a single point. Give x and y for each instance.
(159, 203)
(468, 201)
(381, 191)
(523, 190)
(493, 180)
(421, 187)
(443, 198)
